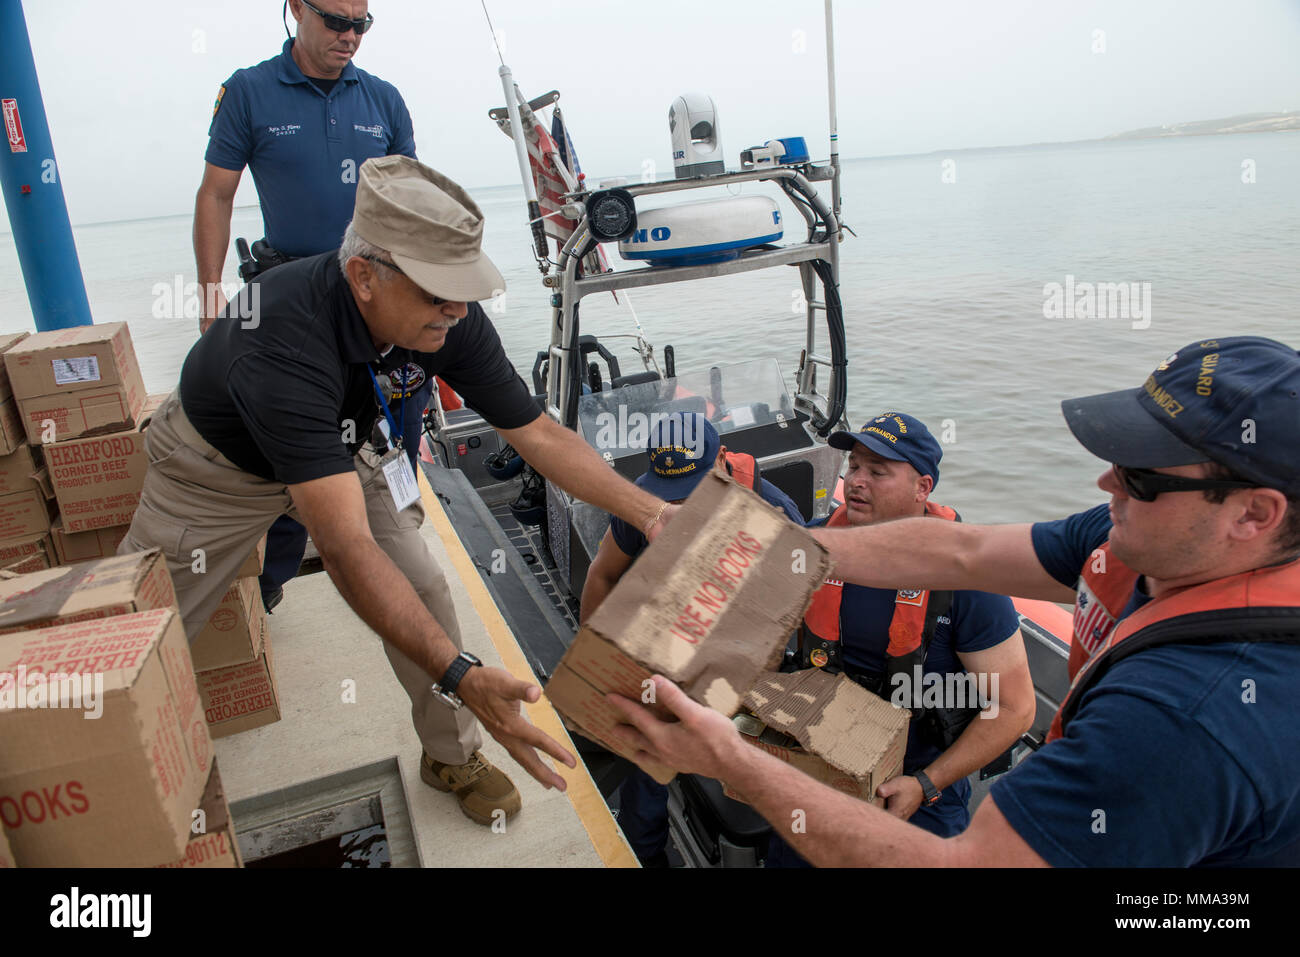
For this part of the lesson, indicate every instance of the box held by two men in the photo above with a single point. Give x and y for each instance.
(100, 589)
(83, 380)
(104, 752)
(833, 730)
(241, 697)
(710, 605)
(215, 845)
(97, 478)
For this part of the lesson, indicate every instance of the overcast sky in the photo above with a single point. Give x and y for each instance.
(129, 87)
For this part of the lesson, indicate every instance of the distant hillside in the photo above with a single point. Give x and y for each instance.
(1244, 123)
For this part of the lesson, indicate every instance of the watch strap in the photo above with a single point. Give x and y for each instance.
(928, 789)
(459, 667)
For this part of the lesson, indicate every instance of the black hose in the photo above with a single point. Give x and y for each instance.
(839, 357)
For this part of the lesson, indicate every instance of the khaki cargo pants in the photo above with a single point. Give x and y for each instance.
(196, 498)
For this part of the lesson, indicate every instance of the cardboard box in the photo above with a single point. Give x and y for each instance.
(7, 342)
(18, 469)
(710, 604)
(85, 546)
(833, 730)
(233, 635)
(6, 855)
(13, 434)
(29, 512)
(217, 845)
(241, 697)
(86, 380)
(25, 555)
(119, 585)
(114, 790)
(253, 563)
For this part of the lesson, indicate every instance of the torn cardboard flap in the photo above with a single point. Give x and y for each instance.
(98, 589)
(710, 604)
(834, 720)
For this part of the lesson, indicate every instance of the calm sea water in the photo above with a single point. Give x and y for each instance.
(943, 290)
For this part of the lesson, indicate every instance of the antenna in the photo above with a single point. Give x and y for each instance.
(493, 32)
(835, 135)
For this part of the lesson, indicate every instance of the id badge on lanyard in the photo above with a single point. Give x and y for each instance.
(396, 463)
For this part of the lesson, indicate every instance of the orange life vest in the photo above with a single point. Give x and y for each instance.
(820, 637)
(1104, 590)
(743, 469)
(1259, 605)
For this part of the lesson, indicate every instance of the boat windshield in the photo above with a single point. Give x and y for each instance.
(733, 397)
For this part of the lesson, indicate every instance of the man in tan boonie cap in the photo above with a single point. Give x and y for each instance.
(429, 224)
(280, 414)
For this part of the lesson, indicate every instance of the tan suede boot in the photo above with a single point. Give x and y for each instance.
(479, 786)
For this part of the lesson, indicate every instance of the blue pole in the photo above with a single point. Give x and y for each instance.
(29, 179)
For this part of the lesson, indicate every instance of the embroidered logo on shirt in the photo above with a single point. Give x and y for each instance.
(288, 129)
(406, 381)
(217, 104)
(376, 131)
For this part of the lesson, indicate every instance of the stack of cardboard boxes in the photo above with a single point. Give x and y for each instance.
(26, 497)
(105, 756)
(79, 402)
(236, 672)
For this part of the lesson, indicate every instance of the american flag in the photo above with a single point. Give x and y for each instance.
(1092, 622)
(553, 162)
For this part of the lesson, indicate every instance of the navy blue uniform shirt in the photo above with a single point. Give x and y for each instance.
(976, 621)
(1180, 755)
(633, 543)
(304, 147)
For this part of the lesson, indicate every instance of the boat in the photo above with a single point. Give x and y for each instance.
(498, 505)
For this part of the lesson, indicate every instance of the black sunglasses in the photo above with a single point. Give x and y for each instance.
(398, 269)
(1144, 484)
(341, 24)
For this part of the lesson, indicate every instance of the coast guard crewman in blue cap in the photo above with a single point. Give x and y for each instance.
(883, 637)
(1177, 743)
(303, 123)
(682, 449)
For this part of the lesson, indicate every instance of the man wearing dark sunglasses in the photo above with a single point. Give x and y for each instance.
(1176, 744)
(303, 122)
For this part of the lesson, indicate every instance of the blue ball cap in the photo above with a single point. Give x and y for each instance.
(1235, 401)
(897, 436)
(682, 449)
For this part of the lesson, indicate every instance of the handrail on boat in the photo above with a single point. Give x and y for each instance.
(564, 386)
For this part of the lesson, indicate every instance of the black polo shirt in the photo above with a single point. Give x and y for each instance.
(279, 399)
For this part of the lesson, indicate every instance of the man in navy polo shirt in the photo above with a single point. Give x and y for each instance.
(893, 467)
(1176, 744)
(303, 122)
(682, 449)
